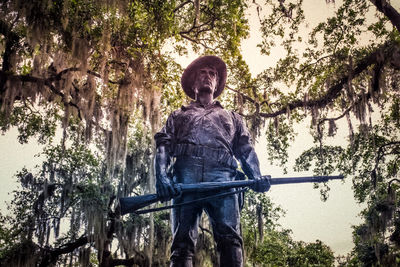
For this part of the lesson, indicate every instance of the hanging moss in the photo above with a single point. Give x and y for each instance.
(84, 256)
(350, 126)
(314, 116)
(332, 128)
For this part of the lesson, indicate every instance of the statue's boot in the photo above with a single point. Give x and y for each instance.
(181, 262)
(231, 256)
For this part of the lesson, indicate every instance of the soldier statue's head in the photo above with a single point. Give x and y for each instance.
(206, 74)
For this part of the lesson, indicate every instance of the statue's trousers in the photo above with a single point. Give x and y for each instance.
(223, 213)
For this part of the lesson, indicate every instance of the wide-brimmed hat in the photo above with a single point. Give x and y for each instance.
(189, 75)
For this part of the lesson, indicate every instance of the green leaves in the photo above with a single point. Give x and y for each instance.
(31, 122)
(103, 75)
(326, 160)
(279, 135)
(345, 68)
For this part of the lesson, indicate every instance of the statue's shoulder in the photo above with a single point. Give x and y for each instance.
(183, 108)
(180, 111)
(236, 116)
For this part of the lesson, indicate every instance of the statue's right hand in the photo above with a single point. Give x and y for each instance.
(165, 188)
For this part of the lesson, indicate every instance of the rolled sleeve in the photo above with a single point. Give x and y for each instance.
(165, 136)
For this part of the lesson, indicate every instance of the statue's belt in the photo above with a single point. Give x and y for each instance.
(219, 154)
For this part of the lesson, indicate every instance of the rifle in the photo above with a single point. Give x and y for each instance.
(133, 204)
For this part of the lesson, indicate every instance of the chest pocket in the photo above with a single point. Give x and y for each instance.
(183, 121)
(227, 124)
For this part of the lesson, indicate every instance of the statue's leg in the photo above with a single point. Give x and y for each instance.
(185, 220)
(224, 217)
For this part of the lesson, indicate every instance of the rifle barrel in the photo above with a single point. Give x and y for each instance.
(307, 179)
(209, 186)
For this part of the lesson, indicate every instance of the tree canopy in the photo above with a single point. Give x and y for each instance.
(105, 74)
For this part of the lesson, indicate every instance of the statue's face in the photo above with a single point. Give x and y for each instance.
(206, 80)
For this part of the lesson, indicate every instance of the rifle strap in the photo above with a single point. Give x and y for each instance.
(191, 202)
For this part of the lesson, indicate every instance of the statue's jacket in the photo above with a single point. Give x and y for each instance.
(211, 133)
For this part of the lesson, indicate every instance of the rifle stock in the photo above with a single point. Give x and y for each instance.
(132, 204)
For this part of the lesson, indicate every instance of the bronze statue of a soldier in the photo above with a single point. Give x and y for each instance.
(205, 140)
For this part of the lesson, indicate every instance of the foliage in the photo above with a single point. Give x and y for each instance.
(269, 245)
(312, 254)
(104, 74)
(346, 66)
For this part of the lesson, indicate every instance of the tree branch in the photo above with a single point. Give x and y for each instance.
(379, 156)
(51, 255)
(59, 75)
(181, 5)
(12, 39)
(198, 29)
(184, 36)
(336, 118)
(139, 259)
(389, 11)
(376, 57)
(243, 95)
(37, 80)
(334, 91)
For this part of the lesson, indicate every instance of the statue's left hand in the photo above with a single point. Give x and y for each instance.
(261, 184)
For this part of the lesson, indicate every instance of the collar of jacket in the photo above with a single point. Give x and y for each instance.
(194, 104)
